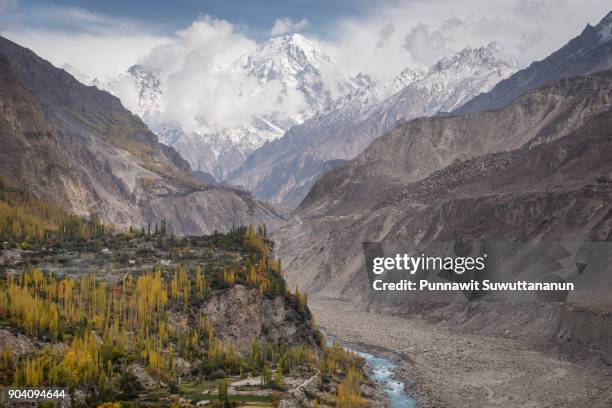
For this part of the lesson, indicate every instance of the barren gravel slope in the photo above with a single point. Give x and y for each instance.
(445, 368)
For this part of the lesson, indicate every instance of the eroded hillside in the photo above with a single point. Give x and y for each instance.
(76, 146)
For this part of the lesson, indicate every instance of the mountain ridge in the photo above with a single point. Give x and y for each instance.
(283, 170)
(78, 147)
(364, 200)
(589, 52)
(291, 68)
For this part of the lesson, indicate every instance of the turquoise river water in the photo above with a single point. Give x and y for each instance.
(383, 372)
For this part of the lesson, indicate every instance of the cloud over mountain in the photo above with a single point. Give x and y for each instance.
(286, 25)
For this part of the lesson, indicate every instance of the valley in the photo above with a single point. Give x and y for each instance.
(147, 319)
(197, 229)
(444, 366)
(78, 147)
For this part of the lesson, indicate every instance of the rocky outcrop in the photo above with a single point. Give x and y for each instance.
(241, 314)
(17, 343)
(143, 377)
(202, 211)
(10, 257)
(295, 397)
(78, 147)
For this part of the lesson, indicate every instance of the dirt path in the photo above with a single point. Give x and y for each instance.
(448, 369)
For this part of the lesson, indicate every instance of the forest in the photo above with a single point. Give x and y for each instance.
(94, 332)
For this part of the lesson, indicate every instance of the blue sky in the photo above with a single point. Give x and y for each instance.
(256, 15)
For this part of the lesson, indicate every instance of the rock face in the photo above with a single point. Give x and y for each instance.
(10, 257)
(589, 52)
(282, 171)
(241, 314)
(296, 397)
(17, 343)
(528, 171)
(76, 146)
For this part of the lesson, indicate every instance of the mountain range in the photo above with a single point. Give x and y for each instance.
(280, 152)
(290, 76)
(468, 151)
(78, 147)
(589, 52)
(282, 171)
(459, 173)
(98, 159)
(521, 172)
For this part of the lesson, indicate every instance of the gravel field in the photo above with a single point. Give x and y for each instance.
(444, 368)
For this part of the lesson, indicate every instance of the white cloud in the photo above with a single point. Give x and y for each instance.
(102, 46)
(203, 84)
(200, 87)
(381, 42)
(192, 62)
(384, 35)
(424, 44)
(286, 25)
(425, 31)
(113, 53)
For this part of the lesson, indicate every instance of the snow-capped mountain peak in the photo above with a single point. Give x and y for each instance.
(474, 58)
(283, 171)
(405, 78)
(453, 80)
(298, 63)
(283, 57)
(282, 83)
(279, 83)
(150, 95)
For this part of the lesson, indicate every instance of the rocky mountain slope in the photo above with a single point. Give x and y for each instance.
(78, 147)
(589, 52)
(295, 76)
(282, 171)
(528, 171)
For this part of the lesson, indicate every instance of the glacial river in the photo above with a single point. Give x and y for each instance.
(383, 372)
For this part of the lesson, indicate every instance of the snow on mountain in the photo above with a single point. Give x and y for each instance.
(298, 63)
(284, 81)
(139, 89)
(302, 112)
(587, 53)
(77, 73)
(405, 78)
(283, 171)
(450, 83)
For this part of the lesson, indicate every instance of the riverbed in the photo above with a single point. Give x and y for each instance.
(458, 369)
(384, 372)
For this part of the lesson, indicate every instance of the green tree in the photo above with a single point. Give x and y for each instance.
(223, 397)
